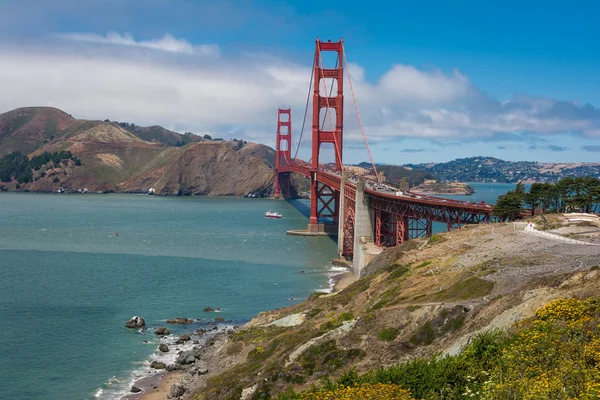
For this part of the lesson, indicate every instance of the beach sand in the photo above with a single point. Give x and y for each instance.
(164, 387)
(344, 280)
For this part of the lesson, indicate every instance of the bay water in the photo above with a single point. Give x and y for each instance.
(68, 283)
(75, 268)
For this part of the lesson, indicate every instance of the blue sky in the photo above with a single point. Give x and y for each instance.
(434, 80)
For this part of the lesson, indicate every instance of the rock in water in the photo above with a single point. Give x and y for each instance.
(135, 322)
(219, 319)
(161, 331)
(209, 309)
(185, 338)
(163, 348)
(158, 365)
(180, 321)
(177, 390)
(135, 389)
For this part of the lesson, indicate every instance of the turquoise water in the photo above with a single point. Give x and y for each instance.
(487, 192)
(68, 283)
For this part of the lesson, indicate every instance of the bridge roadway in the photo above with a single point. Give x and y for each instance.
(370, 212)
(385, 198)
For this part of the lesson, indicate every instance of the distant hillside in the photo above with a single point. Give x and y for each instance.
(489, 169)
(394, 174)
(24, 129)
(159, 134)
(58, 151)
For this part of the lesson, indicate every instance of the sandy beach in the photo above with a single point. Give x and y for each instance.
(164, 387)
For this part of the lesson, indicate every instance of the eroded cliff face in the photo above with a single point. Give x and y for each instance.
(206, 168)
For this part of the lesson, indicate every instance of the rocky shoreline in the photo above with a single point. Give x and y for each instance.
(197, 363)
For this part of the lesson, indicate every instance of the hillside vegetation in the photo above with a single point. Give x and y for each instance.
(115, 156)
(430, 319)
(490, 169)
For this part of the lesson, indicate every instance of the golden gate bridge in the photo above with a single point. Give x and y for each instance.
(356, 209)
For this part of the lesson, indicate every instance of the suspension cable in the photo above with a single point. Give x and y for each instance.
(306, 108)
(333, 128)
(357, 112)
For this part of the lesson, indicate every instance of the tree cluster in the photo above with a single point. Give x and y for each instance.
(567, 195)
(19, 167)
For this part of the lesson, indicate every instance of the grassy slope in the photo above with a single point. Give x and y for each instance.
(424, 300)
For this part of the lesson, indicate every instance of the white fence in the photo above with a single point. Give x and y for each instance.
(528, 227)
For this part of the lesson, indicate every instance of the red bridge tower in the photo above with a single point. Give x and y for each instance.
(322, 196)
(283, 152)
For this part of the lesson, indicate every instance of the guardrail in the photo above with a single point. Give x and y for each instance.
(529, 228)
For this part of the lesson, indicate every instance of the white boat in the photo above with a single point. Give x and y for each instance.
(273, 214)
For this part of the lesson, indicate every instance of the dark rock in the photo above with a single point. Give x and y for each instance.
(209, 309)
(161, 331)
(185, 338)
(158, 365)
(135, 322)
(214, 328)
(186, 357)
(180, 321)
(202, 371)
(219, 319)
(135, 389)
(163, 348)
(196, 342)
(219, 309)
(177, 390)
(179, 341)
(200, 332)
(173, 367)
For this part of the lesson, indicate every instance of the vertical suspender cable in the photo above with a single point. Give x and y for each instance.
(306, 108)
(357, 113)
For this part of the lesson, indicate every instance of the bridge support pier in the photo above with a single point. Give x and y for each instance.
(363, 229)
(340, 212)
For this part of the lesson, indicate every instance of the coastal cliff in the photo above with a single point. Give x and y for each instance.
(428, 296)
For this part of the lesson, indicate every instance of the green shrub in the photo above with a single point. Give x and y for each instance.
(388, 334)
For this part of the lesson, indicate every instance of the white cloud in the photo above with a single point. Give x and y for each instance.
(407, 83)
(167, 43)
(241, 95)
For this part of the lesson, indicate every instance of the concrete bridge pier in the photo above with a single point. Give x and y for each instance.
(341, 215)
(363, 229)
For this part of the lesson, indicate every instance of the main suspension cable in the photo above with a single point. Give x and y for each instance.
(357, 112)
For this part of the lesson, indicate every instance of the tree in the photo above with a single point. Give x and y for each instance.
(207, 137)
(508, 206)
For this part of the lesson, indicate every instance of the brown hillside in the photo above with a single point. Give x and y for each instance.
(24, 129)
(260, 151)
(207, 168)
(108, 156)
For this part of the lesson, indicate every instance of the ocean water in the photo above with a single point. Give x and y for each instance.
(68, 283)
(487, 192)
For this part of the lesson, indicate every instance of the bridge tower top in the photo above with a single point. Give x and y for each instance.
(328, 103)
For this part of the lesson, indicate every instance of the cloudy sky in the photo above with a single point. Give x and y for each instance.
(434, 81)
